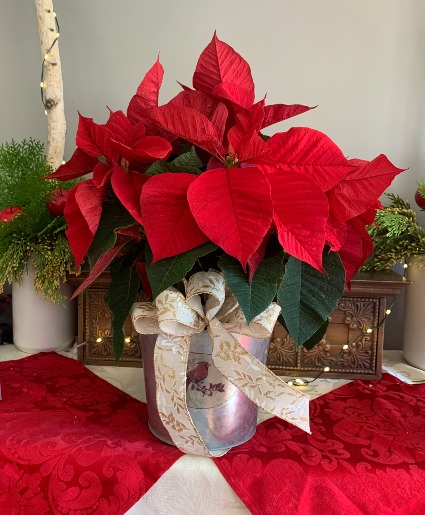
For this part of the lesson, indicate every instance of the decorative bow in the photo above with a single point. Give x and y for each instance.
(175, 317)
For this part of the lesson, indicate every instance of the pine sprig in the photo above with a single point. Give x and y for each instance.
(421, 188)
(395, 222)
(20, 164)
(397, 202)
(395, 234)
(51, 257)
(53, 260)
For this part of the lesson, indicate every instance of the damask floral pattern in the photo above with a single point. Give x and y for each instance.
(72, 443)
(365, 455)
(358, 315)
(282, 352)
(318, 356)
(358, 355)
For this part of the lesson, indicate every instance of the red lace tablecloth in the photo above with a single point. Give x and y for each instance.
(72, 443)
(366, 455)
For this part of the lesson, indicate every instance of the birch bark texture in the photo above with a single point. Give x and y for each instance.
(53, 84)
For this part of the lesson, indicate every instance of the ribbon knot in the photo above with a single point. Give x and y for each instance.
(209, 304)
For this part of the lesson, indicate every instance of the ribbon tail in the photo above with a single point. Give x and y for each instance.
(170, 363)
(255, 380)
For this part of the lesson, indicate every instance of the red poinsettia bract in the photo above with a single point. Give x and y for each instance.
(116, 154)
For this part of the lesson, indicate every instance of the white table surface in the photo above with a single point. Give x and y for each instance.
(190, 486)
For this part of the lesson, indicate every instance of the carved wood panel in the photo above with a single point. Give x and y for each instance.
(96, 333)
(352, 317)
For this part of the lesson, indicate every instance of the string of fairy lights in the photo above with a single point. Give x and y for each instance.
(47, 58)
(298, 381)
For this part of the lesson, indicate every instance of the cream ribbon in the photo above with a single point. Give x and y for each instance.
(175, 317)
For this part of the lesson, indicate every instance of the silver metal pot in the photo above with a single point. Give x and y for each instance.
(223, 415)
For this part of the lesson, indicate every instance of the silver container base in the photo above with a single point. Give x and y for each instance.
(222, 414)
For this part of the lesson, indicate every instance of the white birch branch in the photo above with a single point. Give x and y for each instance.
(56, 125)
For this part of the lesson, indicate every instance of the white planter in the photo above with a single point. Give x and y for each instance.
(414, 317)
(38, 325)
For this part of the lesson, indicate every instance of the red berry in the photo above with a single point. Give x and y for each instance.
(420, 201)
(9, 213)
(57, 202)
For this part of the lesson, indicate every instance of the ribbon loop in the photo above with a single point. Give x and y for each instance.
(175, 316)
(211, 285)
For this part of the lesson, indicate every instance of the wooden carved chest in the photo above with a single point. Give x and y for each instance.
(362, 307)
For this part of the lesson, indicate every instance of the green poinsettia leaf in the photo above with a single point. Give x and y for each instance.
(169, 271)
(307, 297)
(114, 216)
(317, 336)
(158, 167)
(188, 162)
(122, 295)
(254, 297)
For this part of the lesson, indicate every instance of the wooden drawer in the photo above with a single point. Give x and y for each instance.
(364, 306)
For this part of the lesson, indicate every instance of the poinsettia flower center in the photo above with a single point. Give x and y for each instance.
(125, 164)
(231, 163)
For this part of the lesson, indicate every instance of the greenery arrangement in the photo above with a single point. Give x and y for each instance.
(32, 226)
(396, 234)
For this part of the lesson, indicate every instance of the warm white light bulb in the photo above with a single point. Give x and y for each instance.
(127, 340)
(345, 347)
(45, 112)
(47, 57)
(369, 330)
(98, 340)
(54, 14)
(405, 265)
(388, 312)
(290, 383)
(63, 162)
(326, 369)
(299, 382)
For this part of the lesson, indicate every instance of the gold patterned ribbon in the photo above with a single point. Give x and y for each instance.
(209, 304)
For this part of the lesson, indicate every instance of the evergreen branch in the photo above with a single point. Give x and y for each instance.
(395, 235)
(397, 201)
(51, 257)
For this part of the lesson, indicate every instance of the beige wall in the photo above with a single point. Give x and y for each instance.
(361, 61)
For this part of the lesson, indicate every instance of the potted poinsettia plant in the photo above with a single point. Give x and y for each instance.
(195, 185)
